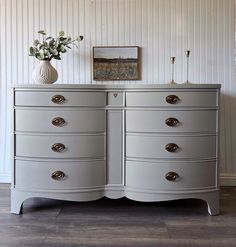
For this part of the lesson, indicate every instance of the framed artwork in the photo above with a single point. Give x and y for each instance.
(116, 63)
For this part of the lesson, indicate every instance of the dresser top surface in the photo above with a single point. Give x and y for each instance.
(116, 86)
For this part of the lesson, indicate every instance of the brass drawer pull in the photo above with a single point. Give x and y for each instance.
(58, 175)
(115, 95)
(172, 121)
(171, 176)
(171, 147)
(58, 147)
(58, 121)
(172, 99)
(58, 99)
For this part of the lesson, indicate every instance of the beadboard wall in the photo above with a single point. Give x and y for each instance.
(162, 28)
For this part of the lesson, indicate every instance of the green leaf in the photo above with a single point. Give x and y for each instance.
(42, 32)
(51, 43)
(36, 42)
(54, 52)
(41, 55)
(61, 33)
(63, 48)
(46, 45)
(57, 57)
(62, 39)
(38, 56)
(32, 51)
(41, 47)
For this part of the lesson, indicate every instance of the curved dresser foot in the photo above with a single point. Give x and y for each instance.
(17, 200)
(16, 207)
(213, 207)
(213, 203)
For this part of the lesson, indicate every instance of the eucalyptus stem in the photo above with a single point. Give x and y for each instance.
(50, 47)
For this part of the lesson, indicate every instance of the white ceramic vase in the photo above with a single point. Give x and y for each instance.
(45, 73)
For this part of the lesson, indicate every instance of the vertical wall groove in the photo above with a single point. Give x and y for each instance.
(162, 28)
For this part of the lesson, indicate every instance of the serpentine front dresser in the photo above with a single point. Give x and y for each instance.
(147, 142)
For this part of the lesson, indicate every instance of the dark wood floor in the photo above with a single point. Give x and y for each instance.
(123, 223)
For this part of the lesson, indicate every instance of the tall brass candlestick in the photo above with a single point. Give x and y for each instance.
(172, 59)
(187, 53)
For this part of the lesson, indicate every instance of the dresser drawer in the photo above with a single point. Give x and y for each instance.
(176, 99)
(75, 146)
(38, 175)
(59, 120)
(115, 98)
(171, 121)
(154, 176)
(190, 147)
(58, 98)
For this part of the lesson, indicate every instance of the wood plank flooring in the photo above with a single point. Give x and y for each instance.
(119, 223)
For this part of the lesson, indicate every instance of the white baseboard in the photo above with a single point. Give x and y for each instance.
(226, 179)
(5, 178)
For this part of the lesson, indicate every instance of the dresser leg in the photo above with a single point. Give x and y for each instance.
(16, 202)
(213, 204)
(16, 207)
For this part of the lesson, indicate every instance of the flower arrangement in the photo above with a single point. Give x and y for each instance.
(49, 47)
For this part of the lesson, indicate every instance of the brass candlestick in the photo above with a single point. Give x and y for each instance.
(187, 53)
(172, 59)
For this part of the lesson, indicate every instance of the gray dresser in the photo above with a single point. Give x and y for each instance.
(147, 143)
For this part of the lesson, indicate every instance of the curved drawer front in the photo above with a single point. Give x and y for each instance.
(189, 99)
(192, 147)
(171, 121)
(153, 175)
(35, 98)
(49, 120)
(75, 146)
(38, 175)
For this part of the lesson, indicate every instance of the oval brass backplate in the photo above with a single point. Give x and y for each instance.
(58, 147)
(58, 99)
(171, 147)
(172, 122)
(58, 121)
(171, 176)
(172, 99)
(58, 175)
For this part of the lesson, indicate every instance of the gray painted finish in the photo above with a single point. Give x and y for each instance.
(186, 99)
(190, 147)
(148, 175)
(122, 87)
(80, 174)
(115, 98)
(133, 143)
(33, 98)
(40, 120)
(115, 147)
(155, 121)
(76, 146)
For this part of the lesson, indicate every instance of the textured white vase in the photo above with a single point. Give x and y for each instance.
(45, 73)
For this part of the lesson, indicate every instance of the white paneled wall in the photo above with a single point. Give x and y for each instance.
(162, 28)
